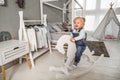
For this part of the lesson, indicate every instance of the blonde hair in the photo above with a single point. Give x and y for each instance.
(79, 18)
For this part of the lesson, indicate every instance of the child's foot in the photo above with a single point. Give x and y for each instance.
(74, 65)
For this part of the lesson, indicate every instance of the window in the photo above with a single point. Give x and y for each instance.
(91, 4)
(96, 10)
(81, 3)
(117, 4)
(105, 4)
(89, 24)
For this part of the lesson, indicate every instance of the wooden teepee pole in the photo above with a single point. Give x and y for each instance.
(111, 4)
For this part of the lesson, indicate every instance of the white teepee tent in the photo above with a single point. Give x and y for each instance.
(109, 28)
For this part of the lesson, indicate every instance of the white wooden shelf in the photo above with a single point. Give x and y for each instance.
(23, 36)
(32, 20)
(40, 52)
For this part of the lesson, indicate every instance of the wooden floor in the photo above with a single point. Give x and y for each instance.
(105, 69)
(108, 68)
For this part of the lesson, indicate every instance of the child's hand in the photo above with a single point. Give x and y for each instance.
(72, 39)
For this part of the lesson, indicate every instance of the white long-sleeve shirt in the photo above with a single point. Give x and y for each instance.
(41, 37)
(32, 39)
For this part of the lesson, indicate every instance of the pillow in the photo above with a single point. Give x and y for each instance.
(60, 26)
(64, 25)
(109, 37)
(56, 28)
(51, 29)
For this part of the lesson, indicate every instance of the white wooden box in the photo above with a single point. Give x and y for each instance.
(11, 50)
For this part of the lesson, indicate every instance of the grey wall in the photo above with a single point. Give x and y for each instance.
(9, 18)
(53, 15)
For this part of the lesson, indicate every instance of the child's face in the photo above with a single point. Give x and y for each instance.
(78, 23)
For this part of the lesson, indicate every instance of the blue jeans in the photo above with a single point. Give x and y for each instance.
(78, 54)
